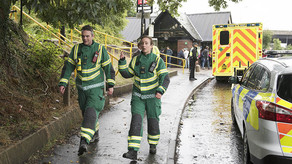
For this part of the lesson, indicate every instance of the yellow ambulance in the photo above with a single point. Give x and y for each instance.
(234, 48)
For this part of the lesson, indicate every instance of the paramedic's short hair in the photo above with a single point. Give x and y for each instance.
(87, 28)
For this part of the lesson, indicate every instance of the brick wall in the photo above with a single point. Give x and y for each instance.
(184, 44)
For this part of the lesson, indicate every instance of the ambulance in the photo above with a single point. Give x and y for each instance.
(235, 48)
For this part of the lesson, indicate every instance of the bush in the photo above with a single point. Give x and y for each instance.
(44, 57)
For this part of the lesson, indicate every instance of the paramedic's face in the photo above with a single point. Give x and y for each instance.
(146, 46)
(87, 37)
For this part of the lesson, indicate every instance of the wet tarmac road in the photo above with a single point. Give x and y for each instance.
(207, 135)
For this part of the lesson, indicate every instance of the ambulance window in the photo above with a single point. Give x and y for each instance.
(253, 80)
(246, 75)
(264, 81)
(224, 37)
(284, 87)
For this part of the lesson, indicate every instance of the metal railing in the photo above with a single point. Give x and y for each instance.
(62, 39)
(176, 65)
(35, 21)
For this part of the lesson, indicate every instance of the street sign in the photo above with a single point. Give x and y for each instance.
(146, 8)
(140, 2)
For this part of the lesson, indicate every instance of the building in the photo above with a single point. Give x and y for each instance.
(284, 36)
(178, 32)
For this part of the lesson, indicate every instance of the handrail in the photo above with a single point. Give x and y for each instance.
(166, 63)
(105, 36)
(35, 21)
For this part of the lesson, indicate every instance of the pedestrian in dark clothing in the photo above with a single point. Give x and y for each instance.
(205, 58)
(193, 59)
(180, 55)
(170, 53)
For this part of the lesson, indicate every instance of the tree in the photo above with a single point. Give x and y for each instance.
(218, 4)
(277, 44)
(267, 39)
(75, 12)
(289, 47)
(173, 5)
(132, 11)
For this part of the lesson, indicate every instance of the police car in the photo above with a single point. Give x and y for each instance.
(261, 108)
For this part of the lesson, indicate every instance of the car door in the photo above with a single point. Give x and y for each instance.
(248, 95)
(237, 99)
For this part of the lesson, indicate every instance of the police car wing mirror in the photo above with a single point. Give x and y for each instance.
(233, 80)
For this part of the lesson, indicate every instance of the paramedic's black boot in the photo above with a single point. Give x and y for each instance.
(152, 149)
(131, 154)
(95, 137)
(82, 147)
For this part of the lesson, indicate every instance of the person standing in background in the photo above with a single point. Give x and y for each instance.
(170, 53)
(193, 59)
(186, 54)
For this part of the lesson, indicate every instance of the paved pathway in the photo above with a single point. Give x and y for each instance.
(115, 122)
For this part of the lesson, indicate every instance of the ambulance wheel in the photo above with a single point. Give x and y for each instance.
(246, 153)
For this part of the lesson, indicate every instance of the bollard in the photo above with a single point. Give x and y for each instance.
(198, 68)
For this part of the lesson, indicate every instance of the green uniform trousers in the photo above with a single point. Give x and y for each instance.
(91, 103)
(152, 106)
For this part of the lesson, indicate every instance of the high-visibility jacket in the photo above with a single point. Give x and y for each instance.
(193, 50)
(146, 83)
(89, 74)
(155, 50)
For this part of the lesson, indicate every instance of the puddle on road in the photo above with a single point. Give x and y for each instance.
(206, 132)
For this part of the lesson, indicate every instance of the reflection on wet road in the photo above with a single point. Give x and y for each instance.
(207, 135)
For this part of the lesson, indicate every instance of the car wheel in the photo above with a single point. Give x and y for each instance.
(233, 119)
(232, 113)
(246, 153)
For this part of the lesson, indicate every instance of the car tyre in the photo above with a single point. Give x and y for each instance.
(233, 119)
(232, 114)
(246, 153)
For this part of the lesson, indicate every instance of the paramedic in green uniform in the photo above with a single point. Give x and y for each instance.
(92, 62)
(150, 83)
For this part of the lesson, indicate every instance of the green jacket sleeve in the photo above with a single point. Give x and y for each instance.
(163, 77)
(68, 68)
(108, 68)
(127, 71)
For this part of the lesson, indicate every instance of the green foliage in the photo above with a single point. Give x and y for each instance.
(277, 44)
(75, 12)
(267, 39)
(289, 47)
(170, 5)
(132, 11)
(218, 4)
(44, 57)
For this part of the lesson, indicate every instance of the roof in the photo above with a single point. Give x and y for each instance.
(133, 29)
(204, 22)
(279, 65)
(278, 32)
(199, 26)
(184, 20)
